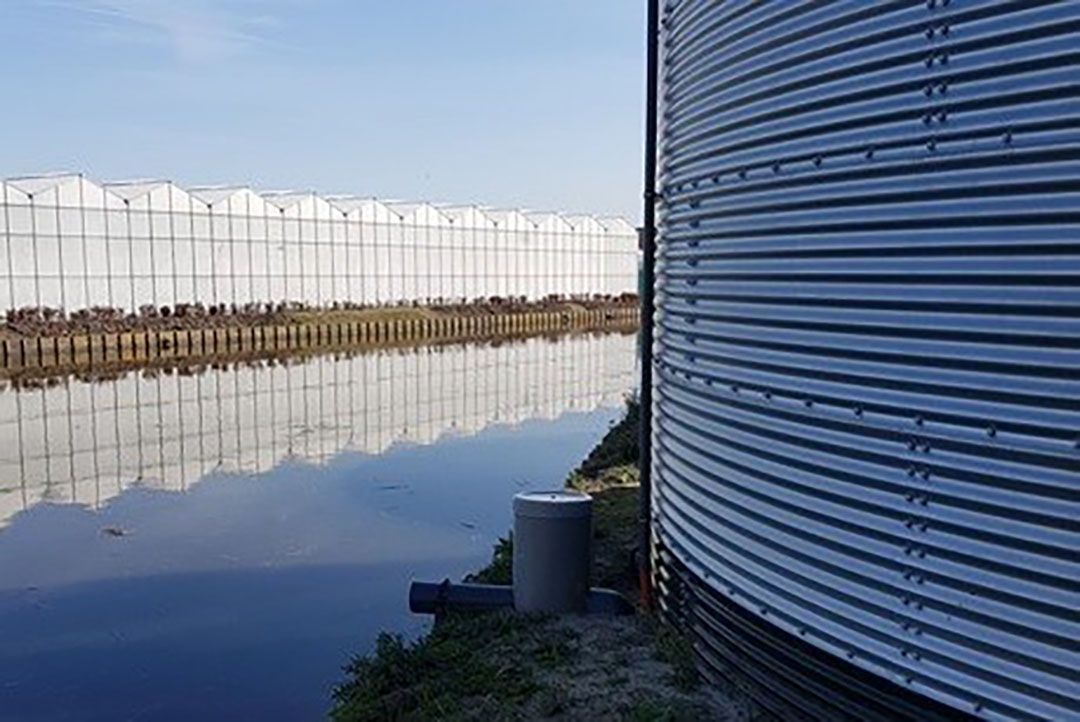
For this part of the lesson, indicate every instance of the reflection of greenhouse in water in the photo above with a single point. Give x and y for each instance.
(70, 243)
(84, 443)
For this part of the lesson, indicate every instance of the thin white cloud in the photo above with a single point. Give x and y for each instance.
(194, 30)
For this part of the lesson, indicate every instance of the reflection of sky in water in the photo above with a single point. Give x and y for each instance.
(242, 597)
(85, 443)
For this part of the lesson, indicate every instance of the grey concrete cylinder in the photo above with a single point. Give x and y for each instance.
(552, 551)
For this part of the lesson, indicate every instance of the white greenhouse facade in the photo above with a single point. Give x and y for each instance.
(70, 243)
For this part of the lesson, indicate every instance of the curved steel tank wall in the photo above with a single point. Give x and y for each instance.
(867, 414)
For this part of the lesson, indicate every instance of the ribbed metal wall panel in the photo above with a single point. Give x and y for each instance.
(867, 429)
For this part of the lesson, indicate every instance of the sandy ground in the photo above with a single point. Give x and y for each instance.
(612, 672)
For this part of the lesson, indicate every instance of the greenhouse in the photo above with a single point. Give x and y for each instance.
(71, 244)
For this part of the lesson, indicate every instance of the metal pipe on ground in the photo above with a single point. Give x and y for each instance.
(446, 596)
(551, 564)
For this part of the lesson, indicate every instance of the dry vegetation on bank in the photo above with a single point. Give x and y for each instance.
(34, 321)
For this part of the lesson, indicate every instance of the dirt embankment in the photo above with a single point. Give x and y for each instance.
(38, 321)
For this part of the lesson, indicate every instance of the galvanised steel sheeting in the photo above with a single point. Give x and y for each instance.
(867, 424)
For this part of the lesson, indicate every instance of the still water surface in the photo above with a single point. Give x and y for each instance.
(216, 545)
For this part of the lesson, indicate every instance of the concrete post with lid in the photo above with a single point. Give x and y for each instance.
(552, 551)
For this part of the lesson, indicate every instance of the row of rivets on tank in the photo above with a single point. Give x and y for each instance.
(912, 575)
(913, 443)
(917, 494)
(941, 115)
(936, 57)
(933, 32)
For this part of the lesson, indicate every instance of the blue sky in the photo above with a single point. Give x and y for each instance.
(533, 103)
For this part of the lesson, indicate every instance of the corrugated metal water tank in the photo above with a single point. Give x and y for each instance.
(867, 415)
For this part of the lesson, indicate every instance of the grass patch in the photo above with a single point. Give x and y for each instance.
(649, 710)
(615, 527)
(619, 447)
(555, 653)
(390, 313)
(460, 665)
(501, 569)
(675, 649)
